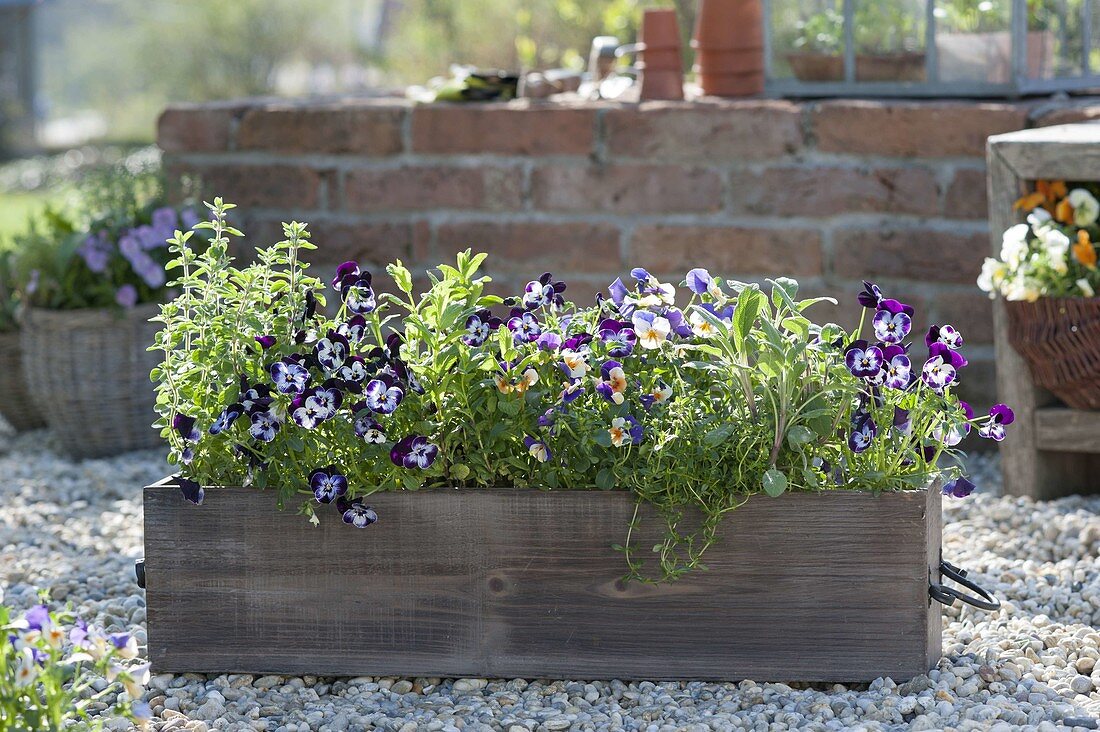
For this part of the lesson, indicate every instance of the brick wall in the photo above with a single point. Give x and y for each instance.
(830, 192)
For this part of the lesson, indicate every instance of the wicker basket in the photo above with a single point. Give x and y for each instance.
(16, 406)
(88, 370)
(1060, 340)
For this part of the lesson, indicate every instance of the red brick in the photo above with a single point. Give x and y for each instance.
(262, 186)
(909, 253)
(192, 128)
(970, 312)
(966, 196)
(625, 188)
(529, 248)
(729, 251)
(912, 129)
(719, 132)
(362, 128)
(828, 191)
(517, 128)
(411, 188)
(372, 244)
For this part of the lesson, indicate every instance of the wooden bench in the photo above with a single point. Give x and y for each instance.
(1051, 450)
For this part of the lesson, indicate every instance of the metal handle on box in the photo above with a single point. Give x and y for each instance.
(948, 595)
(139, 572)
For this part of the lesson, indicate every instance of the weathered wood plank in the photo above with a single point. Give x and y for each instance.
(1069, 152)
(1067, 430)
(506, 583)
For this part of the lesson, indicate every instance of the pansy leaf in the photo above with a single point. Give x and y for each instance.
(799, 435)
(810, 476)
(774, 482)
(603, 438)
(605, 479)
(460, 471)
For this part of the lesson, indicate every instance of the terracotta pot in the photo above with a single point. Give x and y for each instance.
(658, 84)
(662, 59)
(738, 61)
(729, 24)
(660, 29)
(732, 85)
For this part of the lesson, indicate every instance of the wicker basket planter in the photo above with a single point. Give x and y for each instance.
(1059, 338)
(88, 370)
(16, 405)
(829, 586)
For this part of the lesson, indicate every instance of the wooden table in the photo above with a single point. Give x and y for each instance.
(1051, 450)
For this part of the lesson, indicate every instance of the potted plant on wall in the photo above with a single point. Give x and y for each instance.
(490, 450)
(975, 43)
(91, 278)
(887, 40)
(16, 406)
(1047, 272)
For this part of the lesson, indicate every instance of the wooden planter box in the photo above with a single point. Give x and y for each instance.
(1052, 450)
(523, 583)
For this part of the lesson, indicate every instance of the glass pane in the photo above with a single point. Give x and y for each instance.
(808, 39)
(889, 38)
(1055, 38)
(974, 40)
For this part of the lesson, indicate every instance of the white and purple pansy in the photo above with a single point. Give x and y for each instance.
(954, 434)
(549, 341)
(543, 292)
(383, 395)
(525, 326)
(863, 433)
(863, 360)
(902, 422)
(618, 293)
(331, 351)
(618, 336)
(891, 327)
(612, 386)
(256, 398)
(264, 426)
(548, 418)
(315, 405)
(699, 281)
(897, 369)
(651, 329)
(661, 393)
(571, 392)
(289, 375)
(537, 449)
(894, 306)
(404, 375)
(359, 295)
(945, 334)
(346, 274)
(355, 329)
(327, 484)
(626, 431)
(678, 322)
(365, 426)
(191, 490)
(356, 513)
(479, 326)
(354, 371)
(226, 419)
(414, 451)
(579, 342)
(999, 416)
(959, 488)
(938, 373)
(574, 364)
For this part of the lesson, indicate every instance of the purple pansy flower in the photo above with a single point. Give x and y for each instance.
(255, 398)
(346, 273)
(891, 327)
(537, 449)
(678, 322)
(618, 336)
(660, 394)
(331, 351)
(414, 451)
(955, 358)
(542, 292)
(548, 418)
(354, 329)
(999, 416)
(479, 326)
(871, 295)
(37, 618)
(327, 484)
(626, 430)
(126, 296)
(571, 392)
(954, 434)
(290, 375)
(894, 306)
(96, 251)
(699, 280)
(937, 374)
(365, 425)
(359, 296)
(185, 426)
(383, 396)
(549, 341)
(618, 292)
(863, 433)
(191, 490)
(525, 326)
(264, 426)
(314, 406)
(902, 422)
(578, 342)
(945, 334)
(897, 369)
(78, 635)
(863, 360)
(226, 419)
(265, 341)
(959, 488)
(640, 274)
(354, 371)
(356, 513)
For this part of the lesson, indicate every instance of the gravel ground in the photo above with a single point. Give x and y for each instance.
(76, 527)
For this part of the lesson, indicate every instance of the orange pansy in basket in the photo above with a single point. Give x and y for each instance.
(1084, 251)
(1047, 194)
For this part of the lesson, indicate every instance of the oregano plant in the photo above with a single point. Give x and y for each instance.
(693, 398)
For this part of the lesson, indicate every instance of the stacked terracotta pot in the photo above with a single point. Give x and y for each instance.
(661, 66)
(729, 47)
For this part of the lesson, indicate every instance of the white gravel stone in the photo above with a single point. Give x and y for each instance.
(76, 527)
